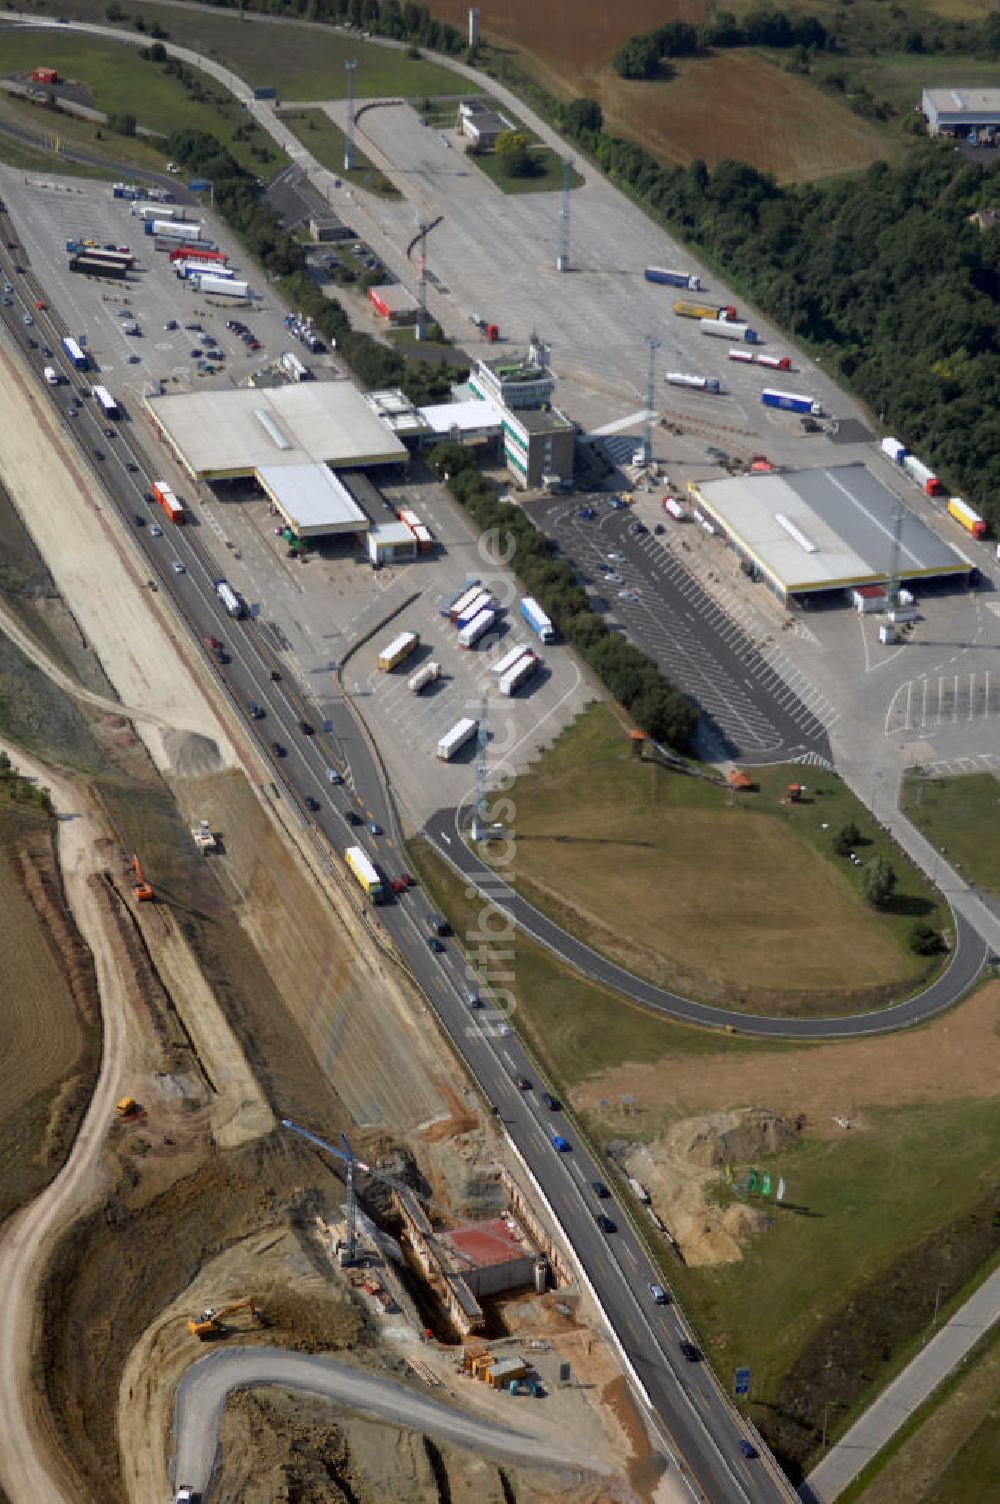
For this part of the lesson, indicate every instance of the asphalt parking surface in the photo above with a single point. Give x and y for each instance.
(747, 706)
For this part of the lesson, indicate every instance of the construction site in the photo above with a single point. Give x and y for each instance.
(172, 1212)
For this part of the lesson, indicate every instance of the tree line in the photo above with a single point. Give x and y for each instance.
(884, 275)
(626, 672)
(238, 200)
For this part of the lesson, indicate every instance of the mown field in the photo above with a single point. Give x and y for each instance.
(961, 817)
(119, 82)
(735, 899)
(301, 65)
(320, 135)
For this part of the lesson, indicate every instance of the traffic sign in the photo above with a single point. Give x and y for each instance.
(199, 185)
(741, 1383)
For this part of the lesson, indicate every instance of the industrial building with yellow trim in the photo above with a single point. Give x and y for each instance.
(833, 528)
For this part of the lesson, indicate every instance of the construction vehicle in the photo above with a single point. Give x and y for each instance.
(128, 1107)
(211, 1323)
(142, 891)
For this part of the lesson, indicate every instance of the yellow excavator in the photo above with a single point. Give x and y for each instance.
(211, 1323)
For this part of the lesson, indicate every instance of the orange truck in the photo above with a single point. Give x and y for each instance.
(164, 496)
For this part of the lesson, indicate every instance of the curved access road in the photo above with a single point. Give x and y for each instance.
(445, 831)
(204, 1389)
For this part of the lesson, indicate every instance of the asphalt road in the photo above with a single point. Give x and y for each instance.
(446, 831)
(202, 1394)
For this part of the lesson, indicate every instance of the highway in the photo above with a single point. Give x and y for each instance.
(695, 1423)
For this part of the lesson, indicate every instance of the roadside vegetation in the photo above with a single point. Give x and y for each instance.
(320, 135)
(259, 228)
(638, 859)
(628, 673)
(883, 1231)
(961, 818)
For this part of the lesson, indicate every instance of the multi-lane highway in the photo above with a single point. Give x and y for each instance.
(697, 1426)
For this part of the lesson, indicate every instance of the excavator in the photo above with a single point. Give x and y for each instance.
(142, 891)
(211, 1322)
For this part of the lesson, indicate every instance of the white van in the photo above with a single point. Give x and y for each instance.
(52, 376)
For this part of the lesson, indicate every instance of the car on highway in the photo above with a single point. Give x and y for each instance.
(560, 1144)
(7, 287)
(435, 944)
(274, 676)
(600, 1190)
(306, 728)
(748, 1449)
(312, 802)
(71, 411)
(46, 352)
(332, 776)
(28, 319)
(156, 531)
(178, 567)
(473, 1000)
(374, 829)
(41, 304)
(658, 1293)
(522, 1083)
(549, 1101)
(140, 520)
(98, 454)
(407, 880)
(605, 1223)
(254, 710)
(7, 302)
(692, 1353)
(277, 749)
(352, 817)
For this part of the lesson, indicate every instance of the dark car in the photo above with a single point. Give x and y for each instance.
(749, 1451)
(306, 728)
(140, 520)
(605, 1223)
(600, 1189)
(195, 354)
(255, 710)
(353, 818)
(311, 802)
(435, 944)
(274, 676)
(549, 1101)
(692, 1353)
(523, 1084)
(640, 528)
(98, 454)
(277, 749)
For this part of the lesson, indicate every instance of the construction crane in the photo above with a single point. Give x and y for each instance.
(210, 1322)
(345, 1155)
(142, 891)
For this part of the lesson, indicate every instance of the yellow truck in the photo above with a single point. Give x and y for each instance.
(399, 648)
(364, 871)
(688, 310)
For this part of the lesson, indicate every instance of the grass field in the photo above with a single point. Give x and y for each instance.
(642, 861)
(917, 1464)
(301, 65)
(119, 82)
(548, 180)
(961, 817)
(317, 132)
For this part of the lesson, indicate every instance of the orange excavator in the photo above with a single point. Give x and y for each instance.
(211, 1322)
(142, 891)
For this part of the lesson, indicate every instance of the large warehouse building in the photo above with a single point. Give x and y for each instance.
(290, 440)
(955, 112)
(810, 531)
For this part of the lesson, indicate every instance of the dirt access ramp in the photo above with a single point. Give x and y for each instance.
(148, 658)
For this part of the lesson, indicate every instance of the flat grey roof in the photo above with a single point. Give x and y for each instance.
(825, 528)
(312, 499)
(961, 101)
(232, 433)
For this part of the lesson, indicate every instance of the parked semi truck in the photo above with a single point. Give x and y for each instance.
(454, 740)
(169, 229)
(893, 450)
(695, 383)
(704, 310)
(727, 329)
(91, 266)
(477, 628)
(673, 507)
(481, 601)
(221, 286)
(966, 517)
(399, 648)
(465, 597)
(163, 495)
(425, 676)
(522, 670)
(365, 872)
(537, 620)
(202, 252)
(673, 279)
(923, 475)
(791, 402)
(504, 664)
(758, 358)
